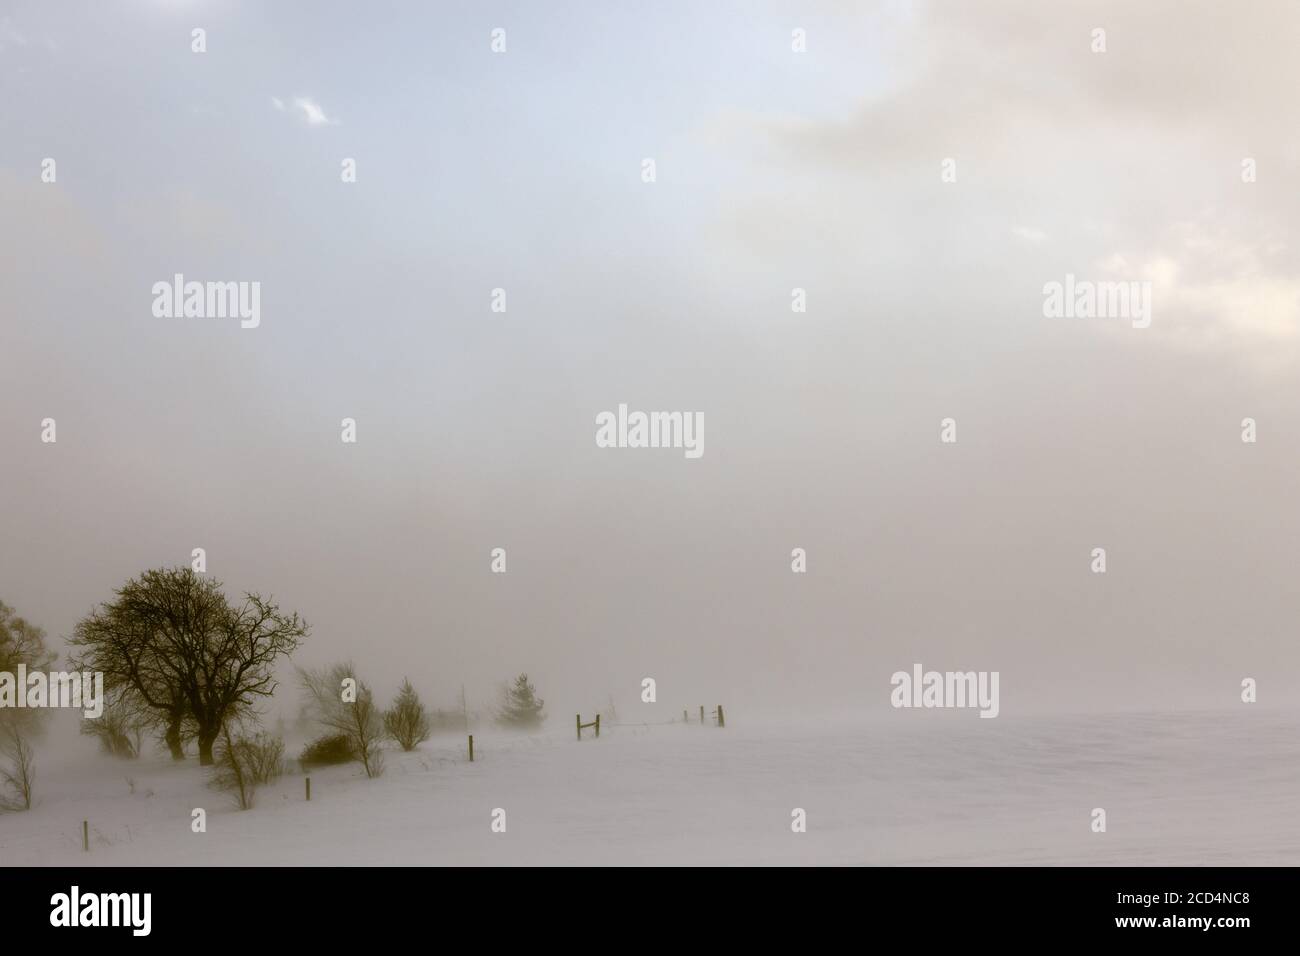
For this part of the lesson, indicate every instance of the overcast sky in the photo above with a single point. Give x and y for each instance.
(775, 169)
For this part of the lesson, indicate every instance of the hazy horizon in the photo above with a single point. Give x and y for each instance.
(775, 170)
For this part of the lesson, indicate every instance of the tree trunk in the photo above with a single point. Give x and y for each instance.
(206, 740)
(173, 738)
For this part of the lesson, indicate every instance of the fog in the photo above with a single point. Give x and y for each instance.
(774, 171)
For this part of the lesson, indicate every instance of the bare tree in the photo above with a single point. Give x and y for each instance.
(346, 706)
(172, 644)
(407, 721)
(231, 771)
(134, 639)
(21, 643)
(20, 776)
(238, 667)
(263, 755)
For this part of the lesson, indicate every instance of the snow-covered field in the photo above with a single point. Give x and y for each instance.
(910, 788)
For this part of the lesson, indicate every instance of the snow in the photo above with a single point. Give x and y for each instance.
(909, 788)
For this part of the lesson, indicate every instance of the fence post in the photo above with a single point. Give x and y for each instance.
(701, 715)
(308, 780)
(598, 726)
(577, 720)
(471, 748)
(722, 721)
(85, 836)
(686, 717)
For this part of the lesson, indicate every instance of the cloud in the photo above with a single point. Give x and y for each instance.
(1137, 150)
(1218, 291)
(313, 114)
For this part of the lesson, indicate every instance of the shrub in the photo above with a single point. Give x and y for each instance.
(327, 750)
(20, 776)
(119, 730)
(232, 770)
(345, 705)
(242, 764)
(264, 754)
(113, 739)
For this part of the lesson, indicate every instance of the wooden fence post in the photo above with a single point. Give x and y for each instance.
(85, 836)
(308, 781)
(595, 723)
(471, 748)
(722, 721)
(686, 717)
(701, 715)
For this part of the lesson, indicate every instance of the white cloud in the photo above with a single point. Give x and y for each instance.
(1217, 292)
(313, 114)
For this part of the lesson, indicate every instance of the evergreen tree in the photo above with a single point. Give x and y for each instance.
(406, 721)
(521, 707)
